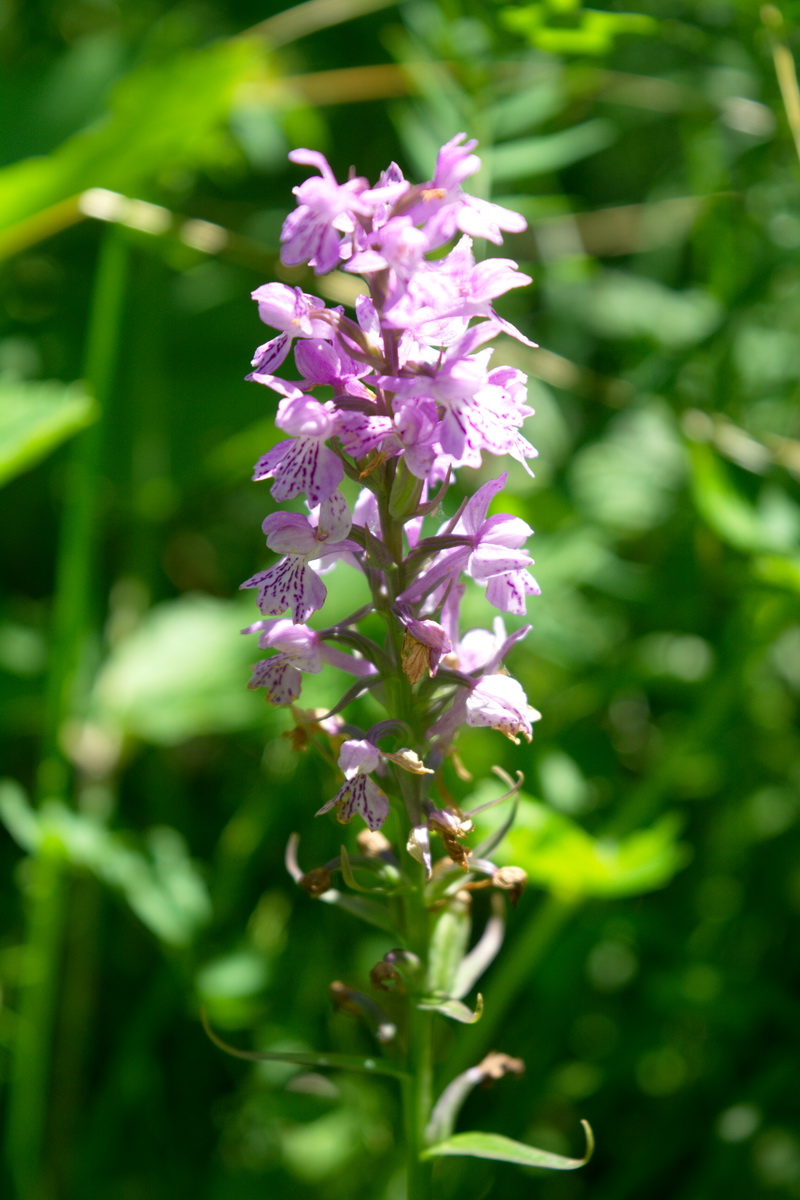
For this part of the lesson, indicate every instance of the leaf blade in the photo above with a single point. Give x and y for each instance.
(502, 1149)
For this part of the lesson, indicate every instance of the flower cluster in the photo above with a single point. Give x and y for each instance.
(411, 396)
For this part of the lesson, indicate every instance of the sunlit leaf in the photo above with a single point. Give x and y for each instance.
(550, 152)
(779, 570)
(35, 418)
(561, 856)
(454, 1009)
(731, 515)
(164, 115)
(503, 1149)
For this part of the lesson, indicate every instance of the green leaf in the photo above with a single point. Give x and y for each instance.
(629, 480)
(345, 1062)
(778, 570)
(562, 857)
(503, 1149)
(138, 138)
(731, 516)
(156, 686)
(454, 1009)
(538, 155)
(35, 418)
(448, 945)
(161, 884)
(366, 910)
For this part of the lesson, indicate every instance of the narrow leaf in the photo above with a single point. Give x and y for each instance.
(503, 1149)
(360, 685)
(454, 1009)
(366, 910)
(349, 877)
(344, 1062)
(483, 953)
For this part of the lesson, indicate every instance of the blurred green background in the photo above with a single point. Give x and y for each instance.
(648, 975)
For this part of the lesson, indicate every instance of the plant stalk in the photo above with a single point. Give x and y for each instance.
(45, 901)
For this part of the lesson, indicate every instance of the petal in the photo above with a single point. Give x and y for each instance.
(308, 467)
(358, 756)
(289, 584)
(507, 592)
(280, 678)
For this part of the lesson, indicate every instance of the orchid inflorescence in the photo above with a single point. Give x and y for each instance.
(411, 397)
(414, 398)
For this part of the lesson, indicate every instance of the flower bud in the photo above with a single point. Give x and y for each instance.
(384, 976)
(316, 882)
(372, 843)
(405, 494)
(451, 826)
(358, 1005)
(512, 880)
(495, 1066)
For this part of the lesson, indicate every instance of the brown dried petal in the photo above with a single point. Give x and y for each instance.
(416, 657)
(409, 760)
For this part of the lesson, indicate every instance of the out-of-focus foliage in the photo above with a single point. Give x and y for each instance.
(37, 417)
(647, 972)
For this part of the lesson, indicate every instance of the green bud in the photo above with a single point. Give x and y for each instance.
(449, 943)
(405, 494)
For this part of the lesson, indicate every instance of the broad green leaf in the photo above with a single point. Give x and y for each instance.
(561, 856)
(182, 672)
(35, 418)
(168, 114)
(503, 1149)
(160, 884)
(345, 1062)
(576, 30)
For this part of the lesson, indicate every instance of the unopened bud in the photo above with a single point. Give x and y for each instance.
(344, 998)
(405, 494)
(512, 880)
(451, 826)
(495, 1066)
(384, 976)
(316, 882)
(372, 843)
(358, 1005)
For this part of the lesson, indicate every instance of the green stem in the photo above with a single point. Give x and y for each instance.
(418, 1086)
(418, 1100)
(29, 1077)
(77, 555)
